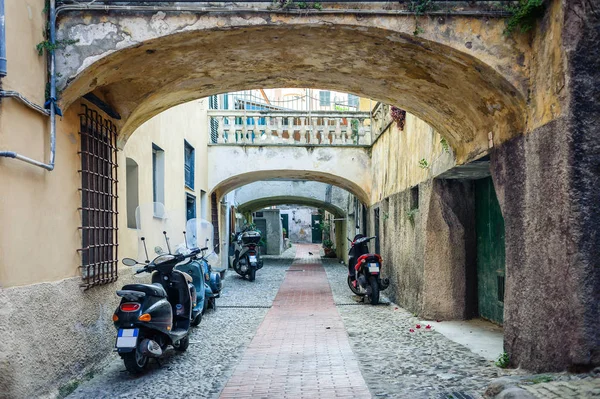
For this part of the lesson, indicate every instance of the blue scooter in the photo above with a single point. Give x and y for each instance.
(195, 268)
(207, 283)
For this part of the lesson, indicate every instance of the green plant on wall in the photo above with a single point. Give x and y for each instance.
(420, 7)
(423, 164)
(445, 145)
(524, 15)
(410, 215)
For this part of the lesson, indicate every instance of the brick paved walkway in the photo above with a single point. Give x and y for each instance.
(301, 349)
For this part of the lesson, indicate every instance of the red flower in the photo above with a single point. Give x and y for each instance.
(395, 308)
(411, 330)
(428, 327)
(418, 326)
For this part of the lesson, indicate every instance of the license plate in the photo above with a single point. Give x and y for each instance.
(373, 268)
(252, 259)
(127, 338)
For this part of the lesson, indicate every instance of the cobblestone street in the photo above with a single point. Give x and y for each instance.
(297, 332)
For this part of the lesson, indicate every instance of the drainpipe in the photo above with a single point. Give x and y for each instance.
(2, 41)
(51, 102)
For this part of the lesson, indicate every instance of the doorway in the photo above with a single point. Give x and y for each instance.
(317, 230)
(490, 252)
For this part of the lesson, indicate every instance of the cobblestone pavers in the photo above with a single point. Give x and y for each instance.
(301, 349)
(317, 341)
(397, 363)
(581, 388)
(215, 346)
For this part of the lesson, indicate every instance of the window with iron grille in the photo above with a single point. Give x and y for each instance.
(188, 155)
(99, 212)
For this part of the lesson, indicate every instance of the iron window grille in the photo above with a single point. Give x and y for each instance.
(99, 212)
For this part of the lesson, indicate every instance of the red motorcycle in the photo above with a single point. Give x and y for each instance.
(364, 268)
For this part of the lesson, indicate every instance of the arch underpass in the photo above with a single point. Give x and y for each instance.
(346, 167)
(460, 75)
(258, 195)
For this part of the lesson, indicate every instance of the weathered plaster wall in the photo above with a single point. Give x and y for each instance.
(66, 333)
(396, 154)
(178, 58)
(548, 186)
(299, 223)
(167, 130)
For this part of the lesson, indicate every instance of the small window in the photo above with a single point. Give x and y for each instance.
(352, 100)
(203, 204)
(414, 197)
(158, 174)
(132, 191)
(324, 98)
(258, 214)
(190, 206)
(189, 164)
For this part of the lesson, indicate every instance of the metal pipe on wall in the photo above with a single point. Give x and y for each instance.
(2, 40)
(52, 101)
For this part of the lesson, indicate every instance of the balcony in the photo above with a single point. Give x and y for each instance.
(290, 127)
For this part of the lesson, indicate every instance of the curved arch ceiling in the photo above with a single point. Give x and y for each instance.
(460, 96)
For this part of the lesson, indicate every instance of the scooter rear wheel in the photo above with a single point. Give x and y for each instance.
(251, 274)
(373, 295)
(352, 288)
(135, 362)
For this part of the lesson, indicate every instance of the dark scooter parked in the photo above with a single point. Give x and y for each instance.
(153, 316)
(247, 254)
(364, 270)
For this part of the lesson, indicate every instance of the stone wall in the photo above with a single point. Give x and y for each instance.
(548, 186)
(53, 332)
(429, 252)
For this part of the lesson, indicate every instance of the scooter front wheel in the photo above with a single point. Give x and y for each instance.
(135, 362)
(197, 320)
(183, 344)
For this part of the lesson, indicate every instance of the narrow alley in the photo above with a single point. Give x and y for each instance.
(298, 332)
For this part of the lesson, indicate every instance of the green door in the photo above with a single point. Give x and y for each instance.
(285, 224)
(490, 252)
(317, 232)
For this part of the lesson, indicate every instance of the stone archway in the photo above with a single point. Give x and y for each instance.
(472, 96)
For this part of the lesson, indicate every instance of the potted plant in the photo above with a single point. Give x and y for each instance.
(328, 248)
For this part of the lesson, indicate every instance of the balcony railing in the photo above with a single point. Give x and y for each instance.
(326, 128)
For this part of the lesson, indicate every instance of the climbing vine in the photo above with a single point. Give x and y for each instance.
(291, 4)
(51, 47)
(420, 7)
(524, 15)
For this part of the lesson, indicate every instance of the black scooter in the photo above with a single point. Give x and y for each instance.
(364, 270)
(152, 316)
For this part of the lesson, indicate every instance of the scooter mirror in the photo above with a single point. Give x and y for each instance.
(129, 262)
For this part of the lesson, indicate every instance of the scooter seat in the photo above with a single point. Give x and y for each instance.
(150, 289)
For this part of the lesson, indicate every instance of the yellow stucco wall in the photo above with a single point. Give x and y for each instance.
(168, 131)
(38, 210)
(396, 154)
